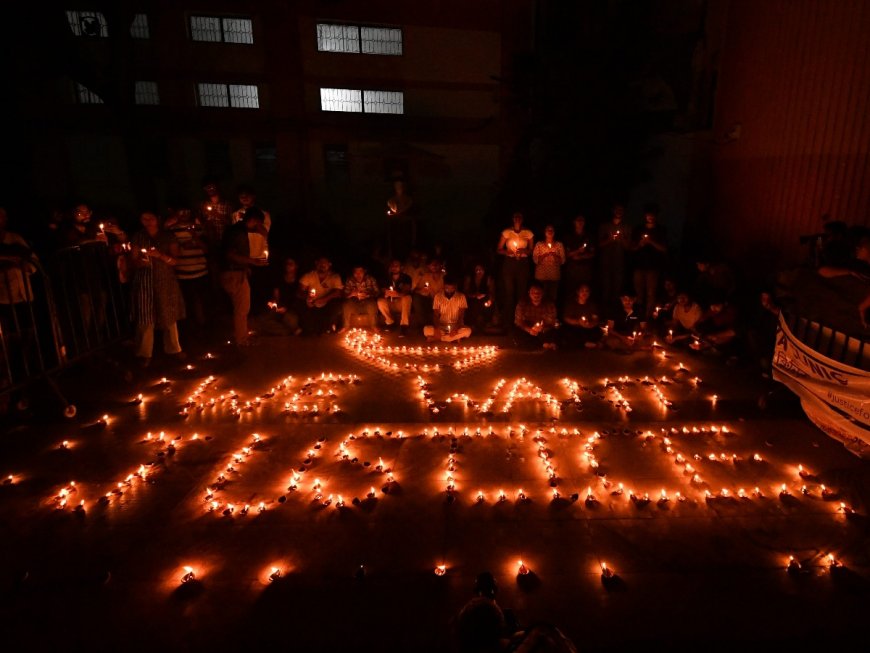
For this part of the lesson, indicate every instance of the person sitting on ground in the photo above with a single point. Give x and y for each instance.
(397, 298)
(684, 317)
(286, 307)
(448, 311)
(581, 320)
(535, 321)
(415, 266)
(479, 289)
(360, 297)
(322, 289)
(717, 329)
(482, 626)
(429, 284)
(665, 301)
(623, 331)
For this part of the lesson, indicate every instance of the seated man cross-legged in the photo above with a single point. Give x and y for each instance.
(360, 297)
(397, 297)
(448, 311)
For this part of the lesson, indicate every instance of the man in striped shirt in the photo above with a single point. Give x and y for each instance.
(448, 311)
(191, 270)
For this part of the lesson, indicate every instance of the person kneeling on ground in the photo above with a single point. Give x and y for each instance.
(448, 311)
(535, 321)
(581, 321)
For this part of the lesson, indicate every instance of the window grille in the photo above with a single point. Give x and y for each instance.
(87, 23)
(341, 99)
(84, 95)
(147, 93)
(237, 96)
(215, 29)
(213, 95)
(244, 96)
(337, 38)
(139, 27)
(356, 101)
(238, 30)
(384, 102)
(381, 40)
(356, 39)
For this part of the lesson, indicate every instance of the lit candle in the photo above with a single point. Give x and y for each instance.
(189, 575)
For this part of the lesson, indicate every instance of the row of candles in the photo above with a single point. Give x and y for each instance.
(272, 573)
(369, 347)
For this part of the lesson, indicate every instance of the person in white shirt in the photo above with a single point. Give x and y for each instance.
(515, 245)
(322, 290)
(258, 242)
(448, 312)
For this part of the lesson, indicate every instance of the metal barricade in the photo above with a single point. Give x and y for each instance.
(836, 345)
(56, 312)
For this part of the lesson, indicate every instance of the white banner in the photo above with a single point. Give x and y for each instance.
(834, 396)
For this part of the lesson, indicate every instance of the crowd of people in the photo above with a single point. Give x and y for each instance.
(613, 287)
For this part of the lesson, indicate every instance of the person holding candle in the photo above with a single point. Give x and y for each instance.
(686, 314)
(448, 311)
(360, 297)
(258, 245)
(623, 331)
(535, 321)
(323, 291)
(192, 267)
(581, 318)
(549, 257)
(155, 296)
(215, 214)
(236, 263)
(429, 284)
(397, 298)
(580, 253)
(614, 238)
(286, 306)
(479, 289)
(515, 245)
(650, 246)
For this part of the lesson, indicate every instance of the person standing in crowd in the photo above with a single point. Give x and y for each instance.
(360, 297)
(448, 313)
(535, 321)
(580, 252)
(429, 284)
(401, 221)
(397, 298)
(515, 245)
(415, 266)
(322, 289)
(215, 214)
(155, 295)
(549, 256)
(581, 320)
(614, 238)
(259, 247)
(236, 263)
(192, 266)
(479, 289)
(650, 246)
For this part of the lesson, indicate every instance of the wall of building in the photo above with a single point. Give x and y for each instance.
(792, 127)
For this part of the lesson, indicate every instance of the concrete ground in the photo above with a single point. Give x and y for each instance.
(706, 572)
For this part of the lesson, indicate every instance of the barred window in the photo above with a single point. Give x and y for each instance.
(356, 101)
(337, 38)
(213, 95)
(244, 96)
(139, 28)
(381, 40)
(147, 93)
(341, 99)
(215, 29)
(84, 95)
(384, 102)
(356, 39)
(87, 23)
(237, 96)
